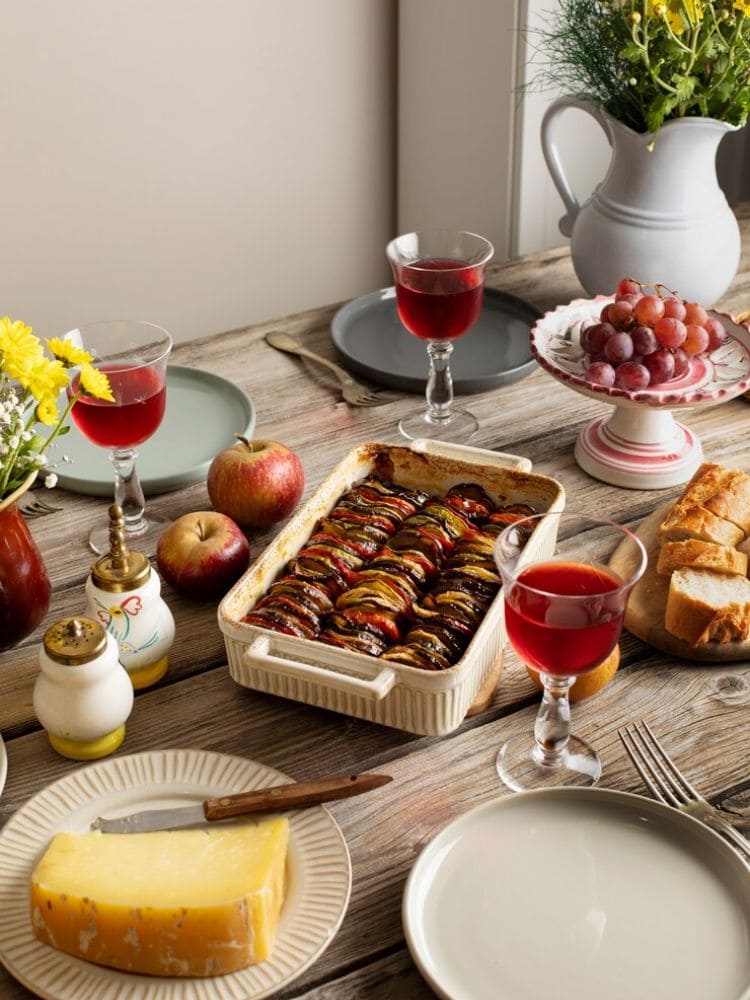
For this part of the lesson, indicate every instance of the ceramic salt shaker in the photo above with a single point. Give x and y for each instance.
(123, 593)
(83, 694)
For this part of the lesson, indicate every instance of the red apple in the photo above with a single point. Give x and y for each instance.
(202, 554)
(256, 483)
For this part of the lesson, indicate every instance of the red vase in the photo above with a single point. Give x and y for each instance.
(25, 590)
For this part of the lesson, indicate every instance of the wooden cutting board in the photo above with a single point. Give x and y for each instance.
(645, 613)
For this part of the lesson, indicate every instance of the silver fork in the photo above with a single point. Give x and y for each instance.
(32, 506)
(354, 392)
(667, 783)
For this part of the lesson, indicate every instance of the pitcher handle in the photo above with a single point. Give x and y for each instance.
(549, 133)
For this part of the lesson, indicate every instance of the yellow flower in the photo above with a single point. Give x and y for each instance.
(19, 348)
(44, 378)
(743, 5)
(672, 12)
(46, 411)
(68, 353)
(95, 383)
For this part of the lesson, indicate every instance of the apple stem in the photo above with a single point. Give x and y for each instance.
(252, 445)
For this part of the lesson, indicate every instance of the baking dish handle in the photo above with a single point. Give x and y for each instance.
(375, 688)
(467, 453)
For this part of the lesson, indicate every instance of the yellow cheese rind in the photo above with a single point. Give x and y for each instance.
(174, 903)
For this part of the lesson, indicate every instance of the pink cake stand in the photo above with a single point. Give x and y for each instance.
(640, 445)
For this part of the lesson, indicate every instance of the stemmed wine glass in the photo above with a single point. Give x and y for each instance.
(133, 355)
(439, 278)
(563, 617)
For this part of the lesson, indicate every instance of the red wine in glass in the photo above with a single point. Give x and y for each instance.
(549, 633)
(439, 279)
(564, 612)
(133, 355)
(436, 301)
(141, 398)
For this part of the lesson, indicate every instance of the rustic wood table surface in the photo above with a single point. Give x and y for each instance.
(702, 712)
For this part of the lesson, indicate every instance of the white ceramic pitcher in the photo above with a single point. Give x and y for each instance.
(659, 215)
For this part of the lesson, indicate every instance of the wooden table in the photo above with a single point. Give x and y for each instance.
(702, 712)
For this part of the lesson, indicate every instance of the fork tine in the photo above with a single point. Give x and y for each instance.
(669, 767)
(642, 762)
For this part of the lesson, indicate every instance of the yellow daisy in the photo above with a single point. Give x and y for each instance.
(95, 383)
(67, 352)
(46, 411)
(743, 5)
(44, 378)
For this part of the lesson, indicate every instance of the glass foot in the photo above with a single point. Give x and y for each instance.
(141, 541)
(517, 764)
(459, 427)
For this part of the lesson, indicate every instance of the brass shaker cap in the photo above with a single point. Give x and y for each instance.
(74, 640)
(120, 569)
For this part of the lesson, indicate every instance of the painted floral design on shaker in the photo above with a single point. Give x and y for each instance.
(117, 619)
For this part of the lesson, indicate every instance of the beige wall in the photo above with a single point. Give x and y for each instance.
(199, 163)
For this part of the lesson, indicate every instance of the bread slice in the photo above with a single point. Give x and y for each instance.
(702, 510)
(703, 605)
(732, 500)
(699, 522)
(706, 555)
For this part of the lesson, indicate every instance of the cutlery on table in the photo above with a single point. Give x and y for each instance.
(668, 784)
(354, 392)
(295, 795)
(31, 506)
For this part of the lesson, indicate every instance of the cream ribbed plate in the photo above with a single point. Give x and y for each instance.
(318, 875)
(3, 764)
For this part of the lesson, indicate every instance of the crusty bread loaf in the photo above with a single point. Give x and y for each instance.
(704, 507)
(704, 605)
(700, 554)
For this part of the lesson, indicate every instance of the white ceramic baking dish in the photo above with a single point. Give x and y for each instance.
(405, 697)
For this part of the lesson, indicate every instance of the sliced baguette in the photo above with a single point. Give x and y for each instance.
(698, 522)
(703, 605)
(732, 500)
(703, 509)
(699, 554)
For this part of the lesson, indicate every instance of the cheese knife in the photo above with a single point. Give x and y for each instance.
(295, 795)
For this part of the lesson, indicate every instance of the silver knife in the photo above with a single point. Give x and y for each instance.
(295, 795)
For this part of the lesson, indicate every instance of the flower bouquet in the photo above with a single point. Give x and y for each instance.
(30, 387)
(646, 62)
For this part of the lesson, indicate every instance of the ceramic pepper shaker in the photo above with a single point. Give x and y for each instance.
(83, 694)
(123, 593)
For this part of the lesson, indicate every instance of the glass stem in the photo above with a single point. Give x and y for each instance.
(439, 392)
(552, 726)
(128, 490)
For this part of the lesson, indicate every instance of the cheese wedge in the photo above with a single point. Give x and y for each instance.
(173, 903)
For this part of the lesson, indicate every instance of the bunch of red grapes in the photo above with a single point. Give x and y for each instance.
(645, 338)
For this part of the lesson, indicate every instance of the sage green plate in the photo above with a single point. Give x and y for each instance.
(203, 414)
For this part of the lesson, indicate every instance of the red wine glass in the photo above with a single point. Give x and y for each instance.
(563, 617)
(439, 278)
(133, 355)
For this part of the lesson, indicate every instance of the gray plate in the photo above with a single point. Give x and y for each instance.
(371, 339)
(202, 416)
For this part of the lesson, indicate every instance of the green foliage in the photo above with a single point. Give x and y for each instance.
(646, 62)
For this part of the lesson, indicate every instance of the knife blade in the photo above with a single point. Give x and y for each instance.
(295, 795)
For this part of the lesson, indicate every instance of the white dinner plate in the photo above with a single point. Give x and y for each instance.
(318, 875)
(579, 894)
(202, 416)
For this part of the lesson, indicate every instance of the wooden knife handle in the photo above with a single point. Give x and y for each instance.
(296, 795)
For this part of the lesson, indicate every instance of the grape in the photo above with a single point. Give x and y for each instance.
(595, 337)
(696, 340)
(632, 376)
(670, 332)
(619, 348)
(681, 362)
(620, 314)
(716, 333)
(628, 286)
(695, 313)
(600, 373)
(648, 309)
(674, 308)
(604, 314)
(644, 340)
(660, 365)
(632, 298)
